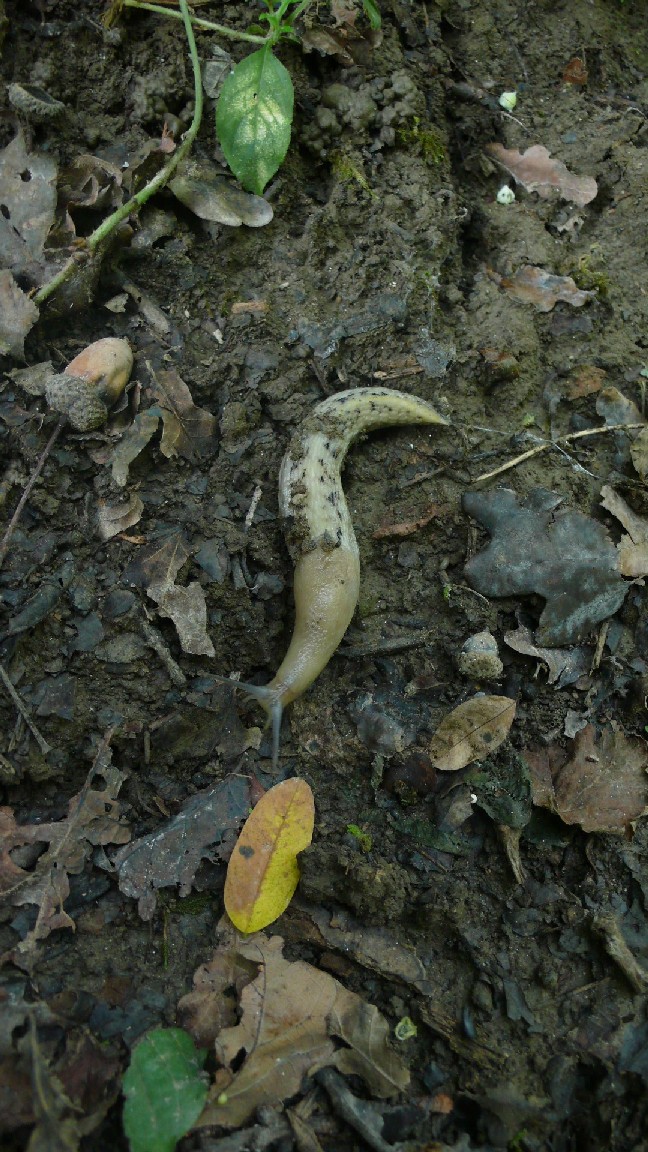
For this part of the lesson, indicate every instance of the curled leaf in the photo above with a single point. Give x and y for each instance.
(537, 172)
(471, 732)
(263, 872)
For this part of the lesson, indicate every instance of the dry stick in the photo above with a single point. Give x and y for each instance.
(554, 444)
(96, 238)
(22, 708)
(11, 527)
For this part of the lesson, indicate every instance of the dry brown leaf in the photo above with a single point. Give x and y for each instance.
(564, 665)
(575, 72)
(537, 172)
(204, 190)
(633, 548)
(188, 430)
(471, 732)
(639, 453)
(115, 518)
(603, 787)
(584, 381)
(18, 314)
(536, 286)
(156, 571)
(290, 1012)
(94, 817)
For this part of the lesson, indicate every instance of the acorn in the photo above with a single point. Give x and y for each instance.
(479, 658)
(91, 383)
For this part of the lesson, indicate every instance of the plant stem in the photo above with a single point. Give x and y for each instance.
(206, 25)
(161, 178)
(11, 526)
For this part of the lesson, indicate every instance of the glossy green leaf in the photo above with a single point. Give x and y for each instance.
(254, 117)
(165, 1092)
(372, 13)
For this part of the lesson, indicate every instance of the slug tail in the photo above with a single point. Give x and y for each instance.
(270, 700)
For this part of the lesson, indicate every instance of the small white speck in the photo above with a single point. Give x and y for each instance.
(508, 100)
(505, 195)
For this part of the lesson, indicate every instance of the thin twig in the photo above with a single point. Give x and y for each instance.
(22, 708)
(554, 444)
(100, 234)
(11, 526)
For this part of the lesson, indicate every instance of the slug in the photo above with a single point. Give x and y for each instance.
(320, 535)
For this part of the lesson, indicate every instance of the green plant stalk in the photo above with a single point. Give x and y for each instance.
(197, 21)
(100, 234)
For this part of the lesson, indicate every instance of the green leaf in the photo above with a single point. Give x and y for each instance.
(164, 1090)
(372, 12)
(253, 118)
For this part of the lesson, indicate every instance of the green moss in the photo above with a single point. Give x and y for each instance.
(347, 172)
(590, 277)
(425, 138)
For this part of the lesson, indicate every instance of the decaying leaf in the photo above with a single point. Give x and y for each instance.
(212, 1003)
(204, 828)
(115, 518)
(562, 555)
(155, 569)
(18, 314)
(94, 817)
(211, 196)
(603, 787)
(471, 732)
(290, 1014)
(537, 172)
(615, 408)
(632, 548)
(583, 381)
(28, 198)
(263, 871)
(188, 430)
(533, 285)
(565, 665)
(639, 453)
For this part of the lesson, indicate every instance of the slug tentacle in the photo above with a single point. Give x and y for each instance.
(320, 535)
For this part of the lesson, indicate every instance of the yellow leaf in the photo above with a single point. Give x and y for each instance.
(263, 872)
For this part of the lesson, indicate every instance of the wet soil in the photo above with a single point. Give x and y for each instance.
(376, 269)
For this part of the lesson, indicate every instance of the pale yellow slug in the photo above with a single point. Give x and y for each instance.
(320, 535)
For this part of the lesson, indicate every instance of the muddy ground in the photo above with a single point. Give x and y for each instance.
(388, 261)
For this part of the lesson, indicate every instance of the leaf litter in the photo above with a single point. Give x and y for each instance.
(533, 285)
(155, 570)
(292, 1016)
(472, 731)
(537, 172)
(633, 547)
(205, 828)
(94, 818)
(559, 554)
(602, 786)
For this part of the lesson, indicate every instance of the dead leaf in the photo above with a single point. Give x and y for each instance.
(639, 453)
(156, 571)
(602, 788)
(94, 817)
(212, 1006)
(562, 555)
(18, 314)
(133, 442)
(584, 381)
(28, 198)
(115, 518)
(188, 430)
(290, 1013)
(615, 408)
(633, 548)
(533, 285)
(473, 731)
(408, 527)
(575, 72)
(205, 828)
(565, 665)
(211, 196)
(537, 172)
(263, 871)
